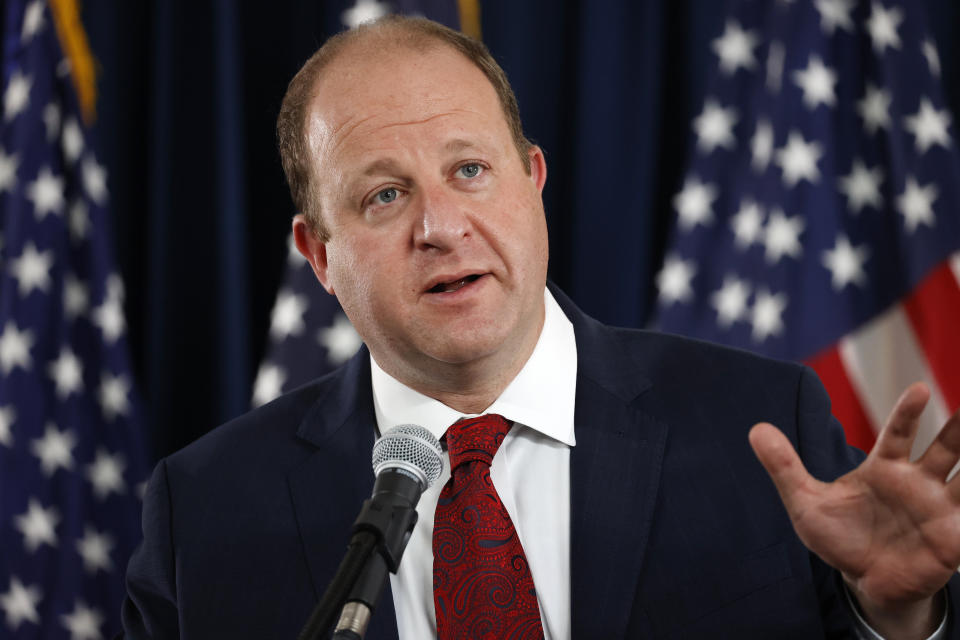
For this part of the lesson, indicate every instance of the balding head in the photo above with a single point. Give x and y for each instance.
(378, 38)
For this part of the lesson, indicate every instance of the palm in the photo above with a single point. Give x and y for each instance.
(891, 526)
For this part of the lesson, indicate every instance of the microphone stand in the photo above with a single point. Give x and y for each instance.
(380, 535)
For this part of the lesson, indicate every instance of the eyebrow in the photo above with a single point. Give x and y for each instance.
(381, 166)
(459, 144)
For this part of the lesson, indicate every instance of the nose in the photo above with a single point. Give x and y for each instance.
(443, 222)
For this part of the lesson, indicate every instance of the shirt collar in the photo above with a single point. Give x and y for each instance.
(540, 397)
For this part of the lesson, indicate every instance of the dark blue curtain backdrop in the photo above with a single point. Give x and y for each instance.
(189, 93)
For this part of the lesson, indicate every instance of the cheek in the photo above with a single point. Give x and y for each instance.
(530, 240)
(363, 275)
(347, 270)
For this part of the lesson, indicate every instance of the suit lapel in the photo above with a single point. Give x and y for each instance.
(614, 477)
(328, 488)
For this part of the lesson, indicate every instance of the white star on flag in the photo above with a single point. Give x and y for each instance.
(51, 120)
(761, 146)
(693, 203)
(767, 315)
(364, 11)
(19, 603)
(76, 298)
(95, 549)
(67, 373)
(109, 317)
(735, 48)
(268, 385)
(714, 127)
(835, 13)
(113, 395)
(287, 316)
(674, 278)
(798, 160)
(38, 525)
(730, 301)
(32, 20)
(874, 108)
(916, 204)
(340, 340)
(106, 474)
(775, 59)
(7, 417)
(94, 180)
(55, 449)
(17, 96)
(845, 263)
(862, 187)
(46, 192)
(83, 622)
(32, 269)
(747, 224)
(63, 68)
(8, 171)
(933, 58)
(79, 221)
(929, 126)
(782, 236)
(15, 348)
(817, 82)
(882, 26)
(72, 140)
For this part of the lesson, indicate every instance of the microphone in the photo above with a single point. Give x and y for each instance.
(407, 459)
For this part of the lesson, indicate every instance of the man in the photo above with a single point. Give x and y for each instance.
(626, 470)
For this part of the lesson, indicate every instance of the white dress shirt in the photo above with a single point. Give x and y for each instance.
(531, 472)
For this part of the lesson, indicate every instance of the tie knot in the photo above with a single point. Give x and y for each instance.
(475, 439)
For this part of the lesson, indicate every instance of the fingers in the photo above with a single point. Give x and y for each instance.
(942, 454)
(781, 461)
(896, 438)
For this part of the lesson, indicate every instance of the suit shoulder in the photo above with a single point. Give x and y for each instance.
(267, 432)
(665, 350)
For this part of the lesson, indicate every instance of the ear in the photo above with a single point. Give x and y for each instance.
(313, 249)
(538, 167)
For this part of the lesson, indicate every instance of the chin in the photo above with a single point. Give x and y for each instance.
(464, 347)
(461, 354)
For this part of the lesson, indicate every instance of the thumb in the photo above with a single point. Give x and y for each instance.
(781, 461)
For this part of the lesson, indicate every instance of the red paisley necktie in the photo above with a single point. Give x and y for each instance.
(482, 587)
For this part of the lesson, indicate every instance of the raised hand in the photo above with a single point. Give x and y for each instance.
(890, 526)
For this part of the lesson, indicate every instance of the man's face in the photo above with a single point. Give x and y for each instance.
(438, 242)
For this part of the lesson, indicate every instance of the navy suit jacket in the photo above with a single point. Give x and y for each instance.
(676, 530)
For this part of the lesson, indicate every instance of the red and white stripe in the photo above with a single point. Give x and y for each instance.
(916, 339)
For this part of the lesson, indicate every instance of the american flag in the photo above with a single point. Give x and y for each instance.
(70, 442)
(819, 217)
(309, 333)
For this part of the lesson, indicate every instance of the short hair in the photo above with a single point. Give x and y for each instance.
(416, 33)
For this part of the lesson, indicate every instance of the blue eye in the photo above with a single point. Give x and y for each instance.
(386, 196)
(470, 170)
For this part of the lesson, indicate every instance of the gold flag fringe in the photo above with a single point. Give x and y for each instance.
(470, 18)
(73, 41)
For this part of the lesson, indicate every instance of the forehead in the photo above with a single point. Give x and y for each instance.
(370, 93)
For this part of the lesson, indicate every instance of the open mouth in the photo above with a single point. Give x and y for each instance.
(448, 287)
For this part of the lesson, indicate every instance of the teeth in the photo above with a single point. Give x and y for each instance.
(453, 286)
(447, 287)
